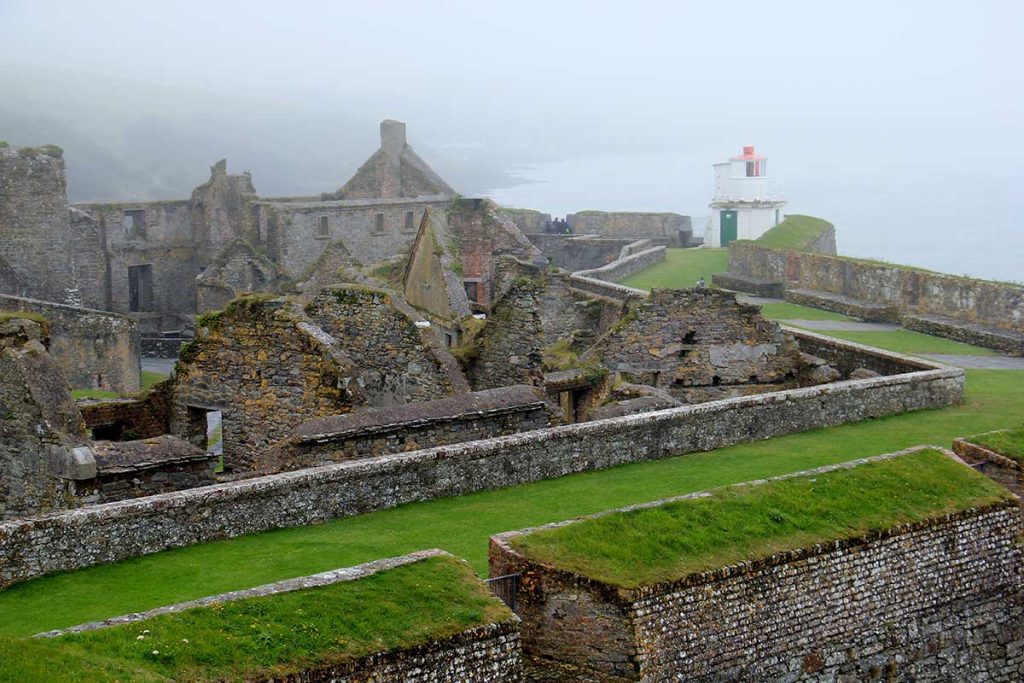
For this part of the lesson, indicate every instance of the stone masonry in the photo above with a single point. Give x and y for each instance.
(266, 366)
(397, 361)
(937, 600)
(699, 345)
(107, 533)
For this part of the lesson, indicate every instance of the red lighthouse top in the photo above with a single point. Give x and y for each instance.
(748, 155)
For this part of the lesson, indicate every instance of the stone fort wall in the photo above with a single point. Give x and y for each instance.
(912, 291)
(938, 600)
(94, 349)
(108, 533)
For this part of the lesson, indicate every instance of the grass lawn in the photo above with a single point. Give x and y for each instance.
(787, 311)
(743, 523)
(1008, 442)
(908, 341)
(277, 635)
(462, 525)
(681, 269)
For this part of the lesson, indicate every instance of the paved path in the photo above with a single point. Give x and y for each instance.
(977, 362)
(162, 365)
(842, 325)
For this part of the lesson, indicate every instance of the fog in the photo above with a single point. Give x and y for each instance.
(901, 122)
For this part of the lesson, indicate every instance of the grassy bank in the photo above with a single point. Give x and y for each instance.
(272, 636)
(1008, 442)
(743, 523)
(462, 525)
(681, 269)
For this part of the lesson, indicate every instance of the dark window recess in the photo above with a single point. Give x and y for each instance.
(322, 228)
(134, 222)
(750, 169)
(110, 432)
(688, 343)
(378, 224)
(140, 288)
(472, 289)
(410, 220)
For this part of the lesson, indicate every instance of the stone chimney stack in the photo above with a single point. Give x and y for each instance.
(392, 138)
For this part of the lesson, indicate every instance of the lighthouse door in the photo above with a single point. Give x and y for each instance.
(727, 233)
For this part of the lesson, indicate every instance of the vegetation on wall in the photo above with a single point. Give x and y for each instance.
(750, 522)
(795, 232)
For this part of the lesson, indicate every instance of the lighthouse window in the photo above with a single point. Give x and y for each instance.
(750, 169)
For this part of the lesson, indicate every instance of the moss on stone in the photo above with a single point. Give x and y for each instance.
(796, 232)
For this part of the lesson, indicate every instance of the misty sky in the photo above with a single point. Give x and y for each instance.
(884, 104)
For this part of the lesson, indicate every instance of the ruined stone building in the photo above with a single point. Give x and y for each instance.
(452, 270)
(163, 261)
(48, 458)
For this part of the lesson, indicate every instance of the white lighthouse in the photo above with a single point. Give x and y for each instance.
(743, 207)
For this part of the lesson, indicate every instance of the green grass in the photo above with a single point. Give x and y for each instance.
(1008, 442)
(743, 523)
(908, 341)
(278, 635)
(462, 525)
(787, 311)
(148, 380)
(681, 269)
(794, 232)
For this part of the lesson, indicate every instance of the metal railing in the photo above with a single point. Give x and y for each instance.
(504, 588)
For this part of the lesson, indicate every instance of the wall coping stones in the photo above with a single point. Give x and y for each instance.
(624, 595)
(511, 399)
(117, 317)
(116, 457)
(316, 204)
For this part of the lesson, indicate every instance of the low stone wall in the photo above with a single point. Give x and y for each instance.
(94, 349)
(579, 252)
(380, 431)
(601, 282)
(995, 466)
(844, 305)
(912, 291)
(1007, 341)
(748, 285)
(125, 419)
(937, 600)
(849, 356)
(487, 653)
(671, 229)
(35, 546)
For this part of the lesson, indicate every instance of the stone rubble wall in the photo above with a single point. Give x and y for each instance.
(295, 241)
(939, 601)
(36, 239)
(670, 227)
(579, 252)
(488, 653)
(936, 600)
(381, 431)
(40, 545)
(145, 417)
(94, 349)
(699, 345)
(913, 291)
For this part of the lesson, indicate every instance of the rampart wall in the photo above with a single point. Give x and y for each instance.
(912, 291)
(39, 545)
(94, 349)
(937, 600)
